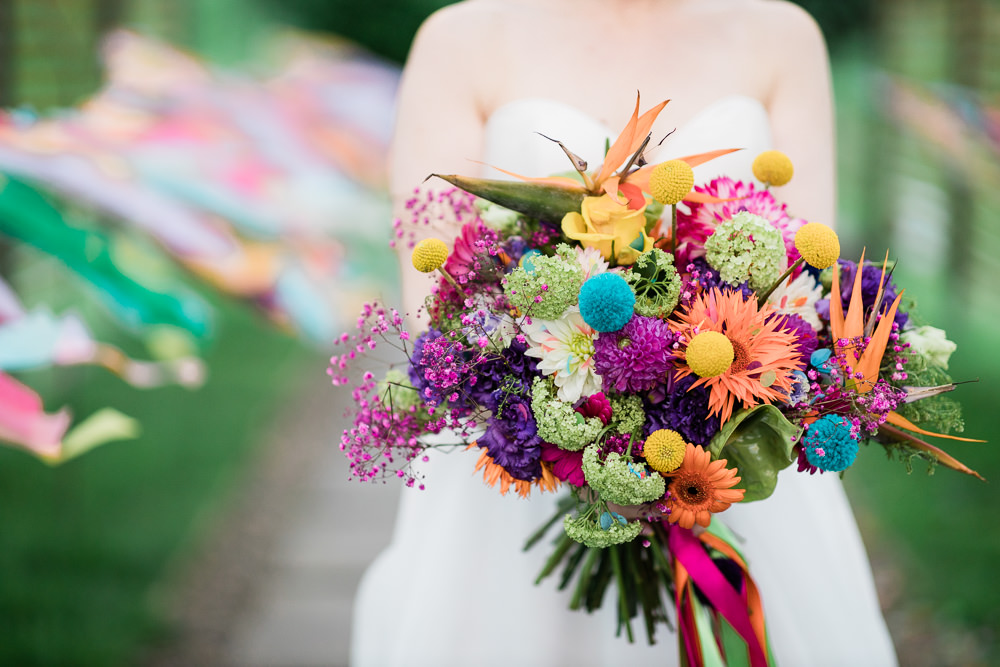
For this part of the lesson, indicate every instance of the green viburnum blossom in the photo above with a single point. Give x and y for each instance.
(588, 531)
(627, 414)
(656, 283)
(555, 281)
(746, 248)
(558, 422)
(498, 217)
(621, 481)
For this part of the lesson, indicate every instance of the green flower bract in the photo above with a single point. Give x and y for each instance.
(656, 283)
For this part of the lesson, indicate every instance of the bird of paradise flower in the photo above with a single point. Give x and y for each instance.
(866, 360)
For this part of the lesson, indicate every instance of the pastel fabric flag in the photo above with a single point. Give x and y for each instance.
(27, 216)
(24, 423)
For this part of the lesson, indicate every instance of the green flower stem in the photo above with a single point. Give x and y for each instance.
(762, 299)
(623, 617)
(673, 229)
(451, 280)
(586, 575)
(564, 544)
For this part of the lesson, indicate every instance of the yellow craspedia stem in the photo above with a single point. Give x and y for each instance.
(773, 168)
(818, 244)
(664, 450)
(429, 255)
(671, 181)
(709, 354)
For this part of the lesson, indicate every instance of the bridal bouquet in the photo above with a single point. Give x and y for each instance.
(659, 351)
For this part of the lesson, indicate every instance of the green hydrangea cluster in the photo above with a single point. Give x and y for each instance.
(656, 283)
(746, 248)
(558, 422)
(627, 413)
(621, 481)
(555, 281)
(587, 531)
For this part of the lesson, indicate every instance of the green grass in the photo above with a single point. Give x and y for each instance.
(82, 546)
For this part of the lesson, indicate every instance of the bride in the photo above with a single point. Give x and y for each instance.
(483, 77)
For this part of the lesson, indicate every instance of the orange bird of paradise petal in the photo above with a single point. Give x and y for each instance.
(939, 454)
(851, 326)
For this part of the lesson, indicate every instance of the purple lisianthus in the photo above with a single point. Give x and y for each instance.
(491, 373)
(511, 436)
(684, 410)
(635, 358)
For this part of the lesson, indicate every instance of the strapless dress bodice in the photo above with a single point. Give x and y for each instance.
(513, 141)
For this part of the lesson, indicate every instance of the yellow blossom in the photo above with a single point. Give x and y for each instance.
(429, 254)
(603, 223)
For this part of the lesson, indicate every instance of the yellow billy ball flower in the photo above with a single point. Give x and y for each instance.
(664, 450)
(818, 244)
(710, 354)
(671, 181)
(429, 254)
(773, 168)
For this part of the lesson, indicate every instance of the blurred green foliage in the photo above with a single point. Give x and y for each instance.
(387, 27)
(84, 545)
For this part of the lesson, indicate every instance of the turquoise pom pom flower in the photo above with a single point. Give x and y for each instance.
(829, 443)
(606, 302)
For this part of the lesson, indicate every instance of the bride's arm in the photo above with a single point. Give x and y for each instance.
(439, 127)
(801, 111)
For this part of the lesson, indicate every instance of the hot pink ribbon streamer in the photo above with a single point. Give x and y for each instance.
(690, 553)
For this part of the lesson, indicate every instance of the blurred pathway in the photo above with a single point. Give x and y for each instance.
(275, 581)
(301, 616)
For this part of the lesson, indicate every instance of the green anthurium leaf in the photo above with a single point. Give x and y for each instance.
(653, 213)
(757, 442)
(536, 200)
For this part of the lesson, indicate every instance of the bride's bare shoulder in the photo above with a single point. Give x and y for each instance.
(778, 18)
(469, 16)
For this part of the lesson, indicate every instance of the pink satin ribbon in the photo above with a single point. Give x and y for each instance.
(690, 554)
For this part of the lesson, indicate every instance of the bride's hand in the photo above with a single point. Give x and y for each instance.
(644, 511)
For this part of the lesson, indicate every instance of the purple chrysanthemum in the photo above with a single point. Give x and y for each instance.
(635, 358)
(805, 337)
(682, 409)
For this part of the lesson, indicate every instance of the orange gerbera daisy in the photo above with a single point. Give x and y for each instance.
(700, 488)
(764, 355)
(494, 472)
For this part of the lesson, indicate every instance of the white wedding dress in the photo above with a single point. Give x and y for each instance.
(454, 587)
